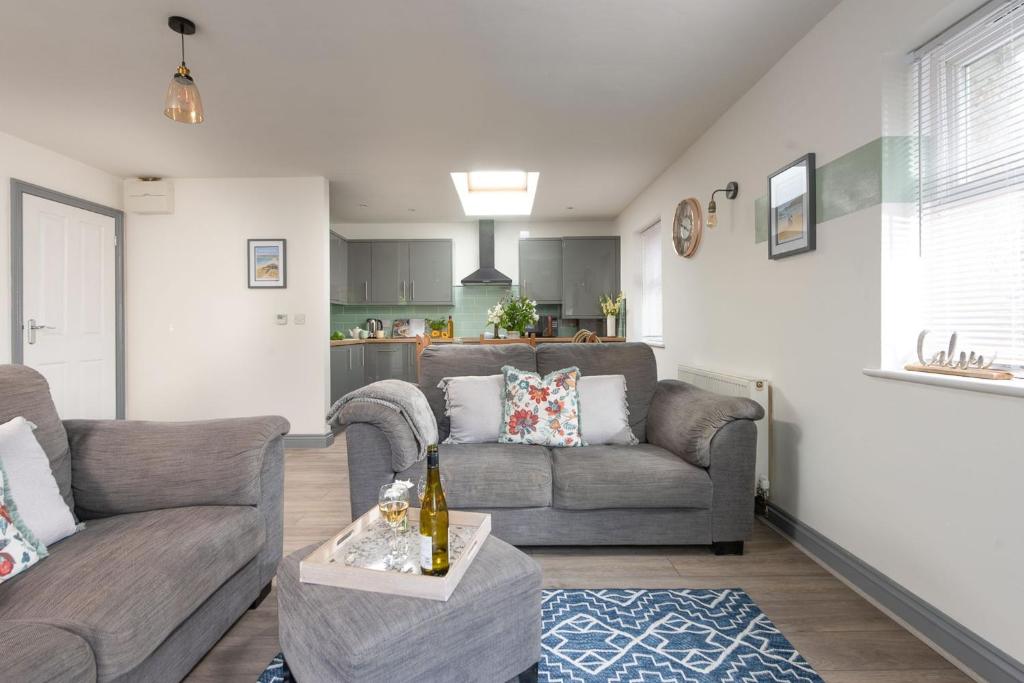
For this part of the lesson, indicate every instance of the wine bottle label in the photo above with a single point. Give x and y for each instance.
(426, 553)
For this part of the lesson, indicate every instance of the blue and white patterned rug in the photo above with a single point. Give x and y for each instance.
(643, 636)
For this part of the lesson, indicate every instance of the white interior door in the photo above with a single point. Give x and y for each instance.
(69, 324)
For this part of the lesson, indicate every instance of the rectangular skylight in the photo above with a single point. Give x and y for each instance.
(496, 193)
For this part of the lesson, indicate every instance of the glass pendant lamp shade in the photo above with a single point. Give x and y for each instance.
(183, 103)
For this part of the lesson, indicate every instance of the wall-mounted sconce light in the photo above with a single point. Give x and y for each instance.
(730, 190)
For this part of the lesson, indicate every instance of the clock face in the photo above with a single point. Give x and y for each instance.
(687, 227)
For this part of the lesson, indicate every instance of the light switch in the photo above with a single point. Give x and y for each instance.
(282, 318)
(300, 318)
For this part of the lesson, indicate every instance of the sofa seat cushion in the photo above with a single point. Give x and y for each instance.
(492, 475)
(643, 476)
(124, 583)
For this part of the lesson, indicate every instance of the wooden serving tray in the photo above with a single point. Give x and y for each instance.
(321, 567)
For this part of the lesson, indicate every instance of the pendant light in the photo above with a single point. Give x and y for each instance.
(183, 103)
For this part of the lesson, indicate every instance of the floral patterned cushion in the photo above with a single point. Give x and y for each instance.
(541, 411)
(18, 552)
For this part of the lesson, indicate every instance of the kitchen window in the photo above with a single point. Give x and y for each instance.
(650, 269)
(969, 129)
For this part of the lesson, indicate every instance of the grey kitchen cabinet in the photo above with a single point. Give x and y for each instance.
(590, 268)
(389, 272)
(540, 270)
(339, 269)
(390, 361)
(430, 272)
(359, 272)
(348, 371)
(400, 272)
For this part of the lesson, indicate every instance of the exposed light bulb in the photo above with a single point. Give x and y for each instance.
(712, 214)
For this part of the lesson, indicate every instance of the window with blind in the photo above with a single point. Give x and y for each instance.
(650, 268)
(970, 131)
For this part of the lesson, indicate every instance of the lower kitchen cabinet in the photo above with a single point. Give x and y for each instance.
(356, 365)
(348, 373)
(390, 361)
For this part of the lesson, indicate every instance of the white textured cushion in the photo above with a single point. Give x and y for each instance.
(32, 486)
(604, 414)
(474, 406)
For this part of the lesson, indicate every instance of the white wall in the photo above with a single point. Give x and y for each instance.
(921, 482)
(33, 164)
(466, 246)
(200, 344)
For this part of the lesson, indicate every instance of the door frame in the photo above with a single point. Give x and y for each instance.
(19, 189)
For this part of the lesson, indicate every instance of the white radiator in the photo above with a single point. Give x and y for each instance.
(748, 387)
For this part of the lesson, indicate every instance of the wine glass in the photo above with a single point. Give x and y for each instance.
(393, 503)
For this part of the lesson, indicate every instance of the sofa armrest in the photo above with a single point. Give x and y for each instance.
(684, 419)
(40, 652)
(402, 448)
(122, 466)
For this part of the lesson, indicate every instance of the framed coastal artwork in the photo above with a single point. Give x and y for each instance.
(267, 264)
(791, 219)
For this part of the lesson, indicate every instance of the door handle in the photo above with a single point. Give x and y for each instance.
(414, 290)
(522, 290)
(403, 289)
(32, 327)
(366, 290)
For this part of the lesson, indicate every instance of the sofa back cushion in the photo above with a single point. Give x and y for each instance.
(634, 360)
(25, 393)
(463, 360)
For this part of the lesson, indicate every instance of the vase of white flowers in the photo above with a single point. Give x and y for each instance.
(494, 315)
(611, 307)
(514, 314)
(518, 313)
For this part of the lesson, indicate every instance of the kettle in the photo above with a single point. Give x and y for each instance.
(374, 325)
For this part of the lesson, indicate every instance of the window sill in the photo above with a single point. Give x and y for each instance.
(656, 343)
(1011, 387)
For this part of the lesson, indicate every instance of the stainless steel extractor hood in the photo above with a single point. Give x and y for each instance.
(487, 274)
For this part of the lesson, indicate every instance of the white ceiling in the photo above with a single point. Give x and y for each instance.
(386, 97)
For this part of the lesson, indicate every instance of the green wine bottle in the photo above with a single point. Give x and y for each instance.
(433, 521)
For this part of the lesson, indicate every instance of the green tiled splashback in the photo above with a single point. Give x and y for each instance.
(469, 311)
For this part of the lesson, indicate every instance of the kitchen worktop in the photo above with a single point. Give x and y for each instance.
(464, 340)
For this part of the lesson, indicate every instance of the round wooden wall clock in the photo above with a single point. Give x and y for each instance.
(687, 227)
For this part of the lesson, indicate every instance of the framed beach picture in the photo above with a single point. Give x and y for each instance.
(267, 264)
(791, 219)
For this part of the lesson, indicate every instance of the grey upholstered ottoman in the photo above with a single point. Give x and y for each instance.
(487, 632)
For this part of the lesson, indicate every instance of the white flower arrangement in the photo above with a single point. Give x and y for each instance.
(495, 313)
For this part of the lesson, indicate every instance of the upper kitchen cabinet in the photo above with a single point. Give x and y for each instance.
(339, 269)
(590, 268)
(430, 272)
(359, 272)
(540, 270)
(399, 272)
(389, 272)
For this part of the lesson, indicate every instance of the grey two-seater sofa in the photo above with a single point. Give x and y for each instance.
(689, 481)
(183, 533)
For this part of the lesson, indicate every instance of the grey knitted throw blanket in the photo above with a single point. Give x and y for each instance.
(402, 397)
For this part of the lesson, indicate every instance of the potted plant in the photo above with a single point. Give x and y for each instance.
(611, 307)
(515, 314)
(436, 327)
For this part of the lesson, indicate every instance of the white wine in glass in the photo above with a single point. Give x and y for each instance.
(393, 511)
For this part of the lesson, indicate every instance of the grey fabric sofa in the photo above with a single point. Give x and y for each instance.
(183, 533)
(689, 481)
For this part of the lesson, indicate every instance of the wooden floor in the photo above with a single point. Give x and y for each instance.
(845, 638)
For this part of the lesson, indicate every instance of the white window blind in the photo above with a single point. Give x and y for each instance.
(650, 254)
(970, 130)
